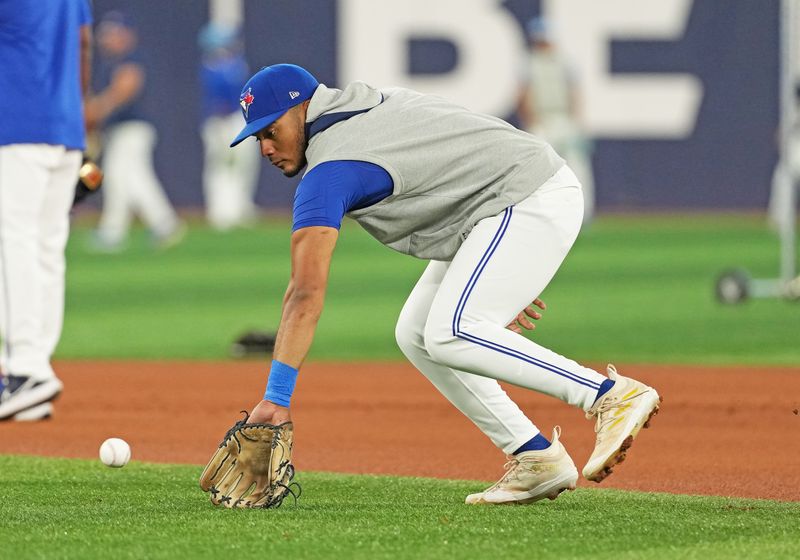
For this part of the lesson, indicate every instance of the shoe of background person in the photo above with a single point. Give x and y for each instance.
(102, 244)
(38, 412)
(21, 392)
(532, 476)
(162, 242)
(624, 410)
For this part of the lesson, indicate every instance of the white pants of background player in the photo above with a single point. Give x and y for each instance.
(562, 132)
(230, 175)
(452, 328)
(37, 185)
(131, 187)
(780, 211)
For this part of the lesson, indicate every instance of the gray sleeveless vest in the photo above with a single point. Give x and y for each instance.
(451, 167)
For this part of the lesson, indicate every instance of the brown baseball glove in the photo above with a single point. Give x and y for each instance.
(90, 178)
(252, 468)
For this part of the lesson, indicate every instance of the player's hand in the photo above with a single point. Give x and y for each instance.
(523, 320)
(267, 412)
(252, 467)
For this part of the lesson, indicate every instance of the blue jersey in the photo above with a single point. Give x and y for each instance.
(333, 188)
(40, 89)
(222, 79)
(104, 69)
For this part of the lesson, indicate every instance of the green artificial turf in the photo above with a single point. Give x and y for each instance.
(61, 508)
(633, 289)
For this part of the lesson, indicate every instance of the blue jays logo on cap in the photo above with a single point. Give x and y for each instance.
(277, 89)
(245, 100)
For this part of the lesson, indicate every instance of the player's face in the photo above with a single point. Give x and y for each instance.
(283, 142)
(114, 39)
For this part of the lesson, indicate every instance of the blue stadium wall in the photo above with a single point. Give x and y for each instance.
(726, 161)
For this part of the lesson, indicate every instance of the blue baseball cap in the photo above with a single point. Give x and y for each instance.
(271, 92)
(214, 36)
(539, 29)
(115, 18)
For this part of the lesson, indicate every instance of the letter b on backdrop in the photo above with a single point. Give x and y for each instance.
(374, 39)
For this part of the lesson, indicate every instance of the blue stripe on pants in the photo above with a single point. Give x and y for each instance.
(462, 302)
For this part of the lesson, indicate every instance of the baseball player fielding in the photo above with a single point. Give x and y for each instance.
(493, 209)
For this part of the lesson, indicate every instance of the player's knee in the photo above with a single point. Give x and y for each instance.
(404, 339)
(440, 344)
(408, 337)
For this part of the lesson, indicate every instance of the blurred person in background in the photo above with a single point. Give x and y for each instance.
(548, 106)
(230, 176)
(131, 186)
(786, 169)
(45, 55)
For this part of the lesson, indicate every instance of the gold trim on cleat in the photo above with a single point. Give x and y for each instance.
(620, 414)
(622, 453)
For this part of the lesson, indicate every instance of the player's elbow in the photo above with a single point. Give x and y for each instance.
(307, 299)
(85, 38)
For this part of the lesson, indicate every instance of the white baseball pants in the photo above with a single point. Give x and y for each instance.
(452, 328)
(131, 186)
(230, 175)
(37, 185)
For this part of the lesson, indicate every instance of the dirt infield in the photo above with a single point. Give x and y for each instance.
(730, 432)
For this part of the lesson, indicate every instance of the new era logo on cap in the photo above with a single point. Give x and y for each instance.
(270, 92)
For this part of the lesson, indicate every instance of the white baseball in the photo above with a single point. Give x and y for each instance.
(115, 452)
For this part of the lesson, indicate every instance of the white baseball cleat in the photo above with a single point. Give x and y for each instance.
(38, 412)
(20, 392)
(621, 413)
(532, 476)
